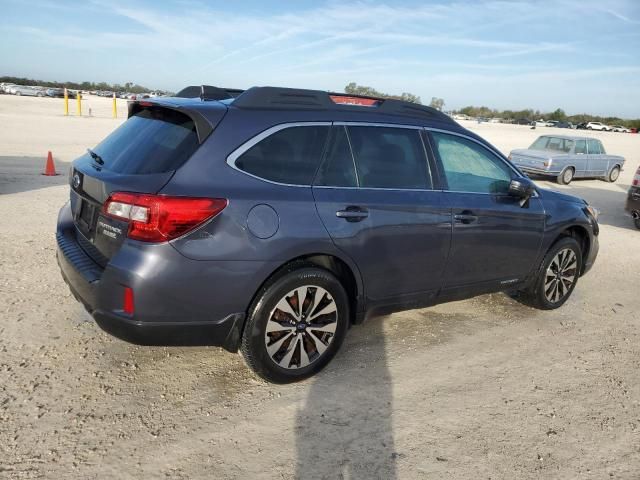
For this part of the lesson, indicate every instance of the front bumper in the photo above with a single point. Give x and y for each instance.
(175, 298)
(593, 253)
(633, 200)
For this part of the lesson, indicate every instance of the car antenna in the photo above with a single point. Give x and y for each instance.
(202, 92)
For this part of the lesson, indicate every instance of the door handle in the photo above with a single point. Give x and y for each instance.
(353, 214)
(465, 218)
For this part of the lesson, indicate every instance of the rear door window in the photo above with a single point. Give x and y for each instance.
(388, 157)
(594, 146)
(469, 167)
(581, 146)
(154, 140)
(338, 169)
(289, 156)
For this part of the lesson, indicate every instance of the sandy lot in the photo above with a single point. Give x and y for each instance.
(484, 388)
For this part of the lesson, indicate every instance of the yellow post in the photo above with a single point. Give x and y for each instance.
(66, 102)
(115, 109)
(79, 99)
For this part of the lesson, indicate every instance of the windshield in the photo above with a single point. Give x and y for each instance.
(557, 144)
(154, 140)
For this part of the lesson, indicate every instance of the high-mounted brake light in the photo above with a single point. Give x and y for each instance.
(160, 218)
(363, 102)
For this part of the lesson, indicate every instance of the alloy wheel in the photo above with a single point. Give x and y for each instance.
(560, 276)
(301, 327)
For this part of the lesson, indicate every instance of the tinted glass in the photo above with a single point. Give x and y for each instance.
(469, 167)
(288, 156)
(594, 147)
(154, 140)
(581, 146)
(338, 169)
(389, 158)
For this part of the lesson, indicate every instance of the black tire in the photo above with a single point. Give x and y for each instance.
(254, 338)
(566, 176)
(536, 296)
(613, 174)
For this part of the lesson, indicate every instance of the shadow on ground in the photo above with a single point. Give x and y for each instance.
(344, 429)
(22, 174)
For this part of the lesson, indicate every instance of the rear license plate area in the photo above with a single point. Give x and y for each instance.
(85, 218)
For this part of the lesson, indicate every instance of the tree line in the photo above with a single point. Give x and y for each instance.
(486, 112)
(84, 86)
(558, 114)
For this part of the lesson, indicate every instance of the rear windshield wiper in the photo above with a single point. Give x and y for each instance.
(95, 156)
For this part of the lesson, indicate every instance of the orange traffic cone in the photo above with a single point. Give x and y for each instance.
(50, 168)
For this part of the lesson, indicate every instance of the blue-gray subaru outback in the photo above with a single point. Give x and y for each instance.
(270, 220)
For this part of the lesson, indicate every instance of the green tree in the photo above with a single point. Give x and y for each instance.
(354, 89)
(437, 103)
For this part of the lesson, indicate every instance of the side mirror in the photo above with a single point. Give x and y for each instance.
(521, 188)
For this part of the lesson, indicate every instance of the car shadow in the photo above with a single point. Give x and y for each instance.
(22, 174)
(344, 429)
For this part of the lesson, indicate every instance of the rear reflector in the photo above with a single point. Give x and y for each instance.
(160, 218)
(127, 303)
(363, 102)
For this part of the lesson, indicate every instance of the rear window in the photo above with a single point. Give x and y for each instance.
(289, 156)
(154, 140)
(557, 144)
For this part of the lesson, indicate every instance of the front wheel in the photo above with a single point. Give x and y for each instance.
(295, 325)
(557, 276)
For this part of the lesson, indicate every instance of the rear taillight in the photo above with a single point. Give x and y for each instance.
(159, 218)
(636, 178)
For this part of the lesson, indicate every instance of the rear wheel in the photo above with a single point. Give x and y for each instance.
(296, 325)
(566, 176)
(613, 174)
(557, 276)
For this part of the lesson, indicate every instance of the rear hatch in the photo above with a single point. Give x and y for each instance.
(140, 156)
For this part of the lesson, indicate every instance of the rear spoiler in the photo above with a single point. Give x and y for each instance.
(203, 126)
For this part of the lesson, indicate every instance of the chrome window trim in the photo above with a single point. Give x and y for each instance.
(233, 156)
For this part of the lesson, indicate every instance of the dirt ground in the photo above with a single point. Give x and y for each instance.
(484, 388)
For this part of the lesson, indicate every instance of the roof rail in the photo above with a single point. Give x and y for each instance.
(207, 92)
(276, 98)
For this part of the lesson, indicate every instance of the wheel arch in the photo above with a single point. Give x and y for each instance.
(581, 235)
(347, 273)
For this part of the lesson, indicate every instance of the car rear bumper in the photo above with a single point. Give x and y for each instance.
(538, 171)
(177, 301)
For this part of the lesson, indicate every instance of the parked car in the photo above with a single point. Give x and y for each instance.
(620, 128)
(565, 158)
(633, 199)
(270, 222)
(7, 88)
(597, 126)
(55, 92)
(564, 125)
(27, 91)
(523, 121)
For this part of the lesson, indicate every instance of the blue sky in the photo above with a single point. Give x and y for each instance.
(579, 55)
